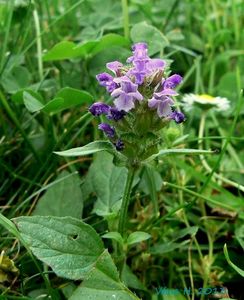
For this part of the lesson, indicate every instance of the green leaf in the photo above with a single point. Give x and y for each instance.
(178, 151)
(62, 50)
(192, 231)
(67, 98)
(147, 184)
(142, 32)
(69, 246)
(18, 97)
(108, 182)
(114, 235)
(172, 245)
(64, 99)
(166, 247)
(103, 283)
(31, 102)
(108, 41)
(131, 279)
(237, 269)
(62, 199)
(69, 50)
(15, 79)
(137, 237)
(91, 148)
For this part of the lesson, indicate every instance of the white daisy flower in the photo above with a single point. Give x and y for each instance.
(205, 101)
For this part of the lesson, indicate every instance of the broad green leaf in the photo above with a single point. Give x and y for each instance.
(151, 181)
(69, 246)
(131, 279)
(142, 32)
(114, 236)
(64, 99)
(91, 148)
(108, 41)
(31, 102)
(18, 97)
(108, 182)
(62, 199)
(137, 237)
(69, 50)
(237, 269)
(103, 283)
(67, 98)
(178, 151)
(15, 79)
(62, 50)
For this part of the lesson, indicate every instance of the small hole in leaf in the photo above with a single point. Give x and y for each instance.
(74, 236)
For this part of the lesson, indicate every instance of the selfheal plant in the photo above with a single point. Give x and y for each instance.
(142, 92)
(143, 103)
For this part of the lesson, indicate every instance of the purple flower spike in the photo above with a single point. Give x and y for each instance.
(172, 81)
(126, 94)
(99, 108)
(178, 116)
(107, 129)
(107, 81)
(155, 64)
(115, 114)
(114, 66)
(162, 104)
(119, 145)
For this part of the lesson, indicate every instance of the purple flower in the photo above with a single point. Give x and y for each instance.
(114, 66)
(99, 108)
(155, 64)
(107, 81)
(143, 65)
(107, 129)
(115, 114)
(126, 94)
(178, 116)
(139, 52)
(119, 145)
(172, 81)
(162, 102)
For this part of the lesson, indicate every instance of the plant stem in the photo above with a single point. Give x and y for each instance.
(125, 201)
(38, 42)
(125, 18)
(7, 26)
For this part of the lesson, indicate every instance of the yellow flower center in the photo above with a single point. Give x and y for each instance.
(206, 97)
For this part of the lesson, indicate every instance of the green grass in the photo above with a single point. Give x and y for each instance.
(205, 42)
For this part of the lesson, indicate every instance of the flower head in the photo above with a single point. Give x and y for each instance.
(177, 116)
(126, 94)
(99, 108)
(107, 129)
(205, 101)
(143, 103)
(115, 114)
(143, 64)
(119, 145)
(106, 80)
